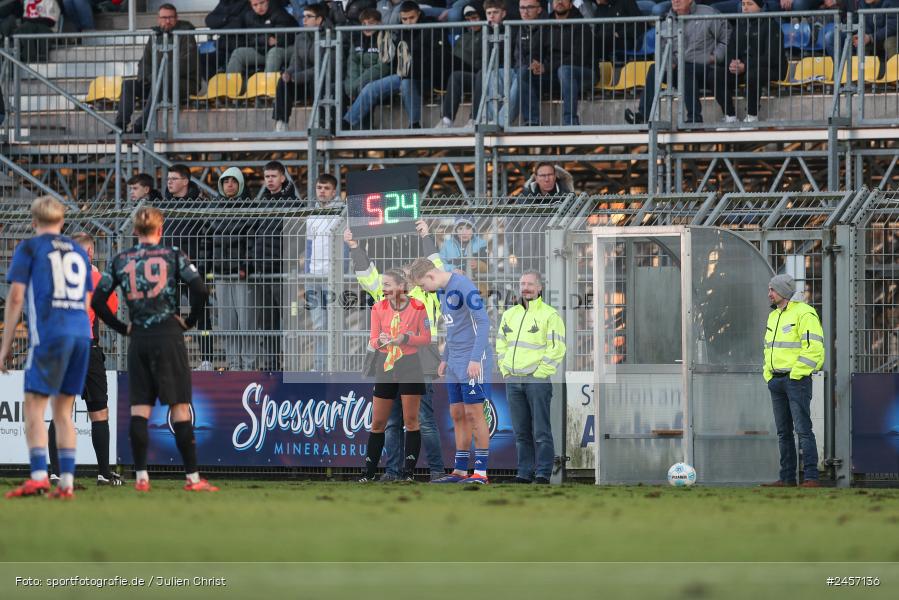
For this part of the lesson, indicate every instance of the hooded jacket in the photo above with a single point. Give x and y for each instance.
(455, 253)
(227, 14)
(188, 231)
(187, 58)
(467, 52)
(703, 38)
(568, 43)
(564, 185)
(232, 232)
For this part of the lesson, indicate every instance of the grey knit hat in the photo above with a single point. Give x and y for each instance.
(784, 285)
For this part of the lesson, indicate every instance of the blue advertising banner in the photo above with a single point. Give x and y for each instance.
(251, 419)
(875, 423)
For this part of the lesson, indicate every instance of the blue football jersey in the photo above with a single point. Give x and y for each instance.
(466, 320)
(57, 274)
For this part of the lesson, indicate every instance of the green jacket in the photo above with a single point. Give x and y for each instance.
(794, 341)
(365, 63)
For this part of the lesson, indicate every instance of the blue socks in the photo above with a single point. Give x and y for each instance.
(461, 463)
(38, 459)
(480, 461)
(66, 467)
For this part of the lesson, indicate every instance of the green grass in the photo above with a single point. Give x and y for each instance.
(263, 522)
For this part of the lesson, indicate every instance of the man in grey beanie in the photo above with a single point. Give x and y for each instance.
(794, 349)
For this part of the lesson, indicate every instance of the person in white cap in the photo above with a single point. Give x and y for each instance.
(794, 349)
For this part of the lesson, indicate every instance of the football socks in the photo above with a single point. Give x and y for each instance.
(461, 463)
(100, 441)
(373, 453)
(66, 468)
(38, 459)
(480, 461)
(413, 448)
(140, 439)
(187, 445)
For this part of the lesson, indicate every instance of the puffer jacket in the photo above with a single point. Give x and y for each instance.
(365, 63)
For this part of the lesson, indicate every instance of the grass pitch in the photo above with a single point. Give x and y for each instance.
(545, 536)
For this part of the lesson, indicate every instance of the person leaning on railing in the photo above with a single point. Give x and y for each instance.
(704, 46)
(299, 77)
(135, 91)
(754, 56)
(880, 28)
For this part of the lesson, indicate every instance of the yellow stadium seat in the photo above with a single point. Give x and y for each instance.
(891, 71)
(222, 85)
(872, 69)
(811, 69)
(259, 85)
(606, 75)
(632, 76)
(105, 88)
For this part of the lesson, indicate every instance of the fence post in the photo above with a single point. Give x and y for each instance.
(845, 255)
(554, 291)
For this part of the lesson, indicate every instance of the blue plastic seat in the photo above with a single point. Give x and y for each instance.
(798, 35)
(818, 45)
(649, 45)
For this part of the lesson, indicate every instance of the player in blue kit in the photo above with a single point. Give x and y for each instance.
(50, 279)
(465, 364)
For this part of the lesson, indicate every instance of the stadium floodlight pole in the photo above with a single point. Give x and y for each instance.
(132, 15)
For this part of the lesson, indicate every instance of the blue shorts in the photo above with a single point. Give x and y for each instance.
(460, 388)
(57, 366)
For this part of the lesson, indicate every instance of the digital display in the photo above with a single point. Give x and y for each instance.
(378, 204)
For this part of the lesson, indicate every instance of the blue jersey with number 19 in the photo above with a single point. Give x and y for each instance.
(57, 274)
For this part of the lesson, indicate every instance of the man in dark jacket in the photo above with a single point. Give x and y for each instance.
(136, 91)
(613, 40)
(140, 189)
(466, 76)
(278, 198)
(258, 49)
(881, 37)
(520, 97)
(421, 59)
(232, 264)
(227, 14)
(189, 231)
(563, 54)
(298, 79)
(754, 56)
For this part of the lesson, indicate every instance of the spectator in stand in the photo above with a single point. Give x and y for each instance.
(140, 189)
(136, 91)
(38, 16)
(299, 77)
(190, 233)
(467, 62)
(232, 265)
(464, 250)
(390, 10)
(422, 53)
(227, 14)
(613, 40)
(319, 230)
(548, 181)
(81, 13)
(526, 39)
(704, 47)
(755, 56)
(735, 6)
(563, 54)
(265, 50)
(364, 61)
(278, 195)
(880, 28)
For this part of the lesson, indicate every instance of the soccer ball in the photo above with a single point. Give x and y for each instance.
(681, 475)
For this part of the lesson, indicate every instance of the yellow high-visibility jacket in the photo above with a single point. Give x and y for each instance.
(794, 341)
(530, 341)
(369, 279)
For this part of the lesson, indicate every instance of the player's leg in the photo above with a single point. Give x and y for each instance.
(380, 412)
(62, 405)
(475, 396)
(96, 397)
(462, 431)
(172, 365)
(412, 443)
(36, 438)
(142, 393)
(53, 455)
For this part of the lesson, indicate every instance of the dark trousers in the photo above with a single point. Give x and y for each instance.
(133, 91)
(268, 305)
(696, 77)
(726, 88)
(791, 400)
(286, 95)
(459, 84)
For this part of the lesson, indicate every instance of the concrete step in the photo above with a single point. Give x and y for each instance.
(119, 52)
(114, 40)
(75, 70)
(34, 87)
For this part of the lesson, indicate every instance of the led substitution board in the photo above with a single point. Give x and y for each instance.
(384, 202)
